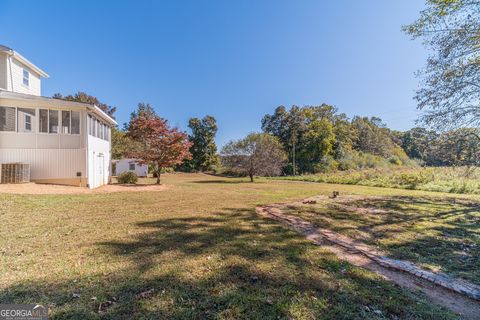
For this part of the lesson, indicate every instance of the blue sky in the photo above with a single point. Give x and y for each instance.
(235, 60)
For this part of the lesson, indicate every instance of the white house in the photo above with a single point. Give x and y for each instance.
(132, 165)
(64, 142)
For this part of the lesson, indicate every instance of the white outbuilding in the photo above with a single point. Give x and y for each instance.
(132, 165)
(64, 142)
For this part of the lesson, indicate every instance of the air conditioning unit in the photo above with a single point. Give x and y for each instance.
(15, 173)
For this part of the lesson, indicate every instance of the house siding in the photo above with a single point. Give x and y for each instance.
(3, 71)
(15, 79)
(98, 161)
(47, 164)
(52, 157)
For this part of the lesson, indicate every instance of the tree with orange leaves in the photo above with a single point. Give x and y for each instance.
(155, 142)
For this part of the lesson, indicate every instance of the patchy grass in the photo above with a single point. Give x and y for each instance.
(196, 250)
(445, 179)
(439, 234)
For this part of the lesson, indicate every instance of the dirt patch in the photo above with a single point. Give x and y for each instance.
(33, 188)
(364, 256)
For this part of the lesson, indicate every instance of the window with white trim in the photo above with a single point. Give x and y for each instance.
(28, 123)
(131, 166)
(26, 77)
(26, 119)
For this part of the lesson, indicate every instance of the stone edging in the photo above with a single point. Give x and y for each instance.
(318, 234)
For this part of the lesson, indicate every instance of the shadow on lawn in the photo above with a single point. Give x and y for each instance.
(236, 181)
(446, 232)
(229, 284)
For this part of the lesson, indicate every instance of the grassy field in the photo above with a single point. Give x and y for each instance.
(443, 179)
(194, 251)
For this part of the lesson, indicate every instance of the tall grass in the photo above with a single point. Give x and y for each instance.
(441, 179)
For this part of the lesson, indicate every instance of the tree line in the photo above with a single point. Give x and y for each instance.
(297, 140)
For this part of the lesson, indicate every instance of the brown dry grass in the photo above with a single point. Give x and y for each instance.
(196, 250)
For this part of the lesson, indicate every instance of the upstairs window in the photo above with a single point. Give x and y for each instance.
(26, 77)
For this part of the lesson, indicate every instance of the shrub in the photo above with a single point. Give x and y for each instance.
(413, 179)
(128, 177)
(326, 164)
(395, 161)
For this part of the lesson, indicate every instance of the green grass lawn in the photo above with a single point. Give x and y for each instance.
(194, 251)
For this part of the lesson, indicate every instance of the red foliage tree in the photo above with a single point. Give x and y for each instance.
(155, 142)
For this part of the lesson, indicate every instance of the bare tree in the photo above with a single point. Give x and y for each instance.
(258, 154)
(450, 88)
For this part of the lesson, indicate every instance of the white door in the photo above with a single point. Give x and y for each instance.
(96, 170)
(100, 174)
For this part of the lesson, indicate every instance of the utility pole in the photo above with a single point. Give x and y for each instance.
(294, 165)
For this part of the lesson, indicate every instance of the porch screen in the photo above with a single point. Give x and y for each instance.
(7, 119)
(75, 122)
(43, 121)
(53, 121)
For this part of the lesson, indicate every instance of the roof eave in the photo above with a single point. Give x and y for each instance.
(8, 95)
(103, 114)
(29, 64)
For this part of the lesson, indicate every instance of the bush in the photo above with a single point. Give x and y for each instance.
(128, 177)
(413, 179)
(395, 161)
(327, 164)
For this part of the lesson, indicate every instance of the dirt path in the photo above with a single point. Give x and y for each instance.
(34, 188)
(364, 256)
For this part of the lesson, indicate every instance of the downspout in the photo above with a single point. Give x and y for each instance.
(10, 55)
(110, 172)
(87, 149)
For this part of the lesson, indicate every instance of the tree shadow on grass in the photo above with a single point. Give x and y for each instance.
(224, 181)
(228, 265)
(444, 233)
